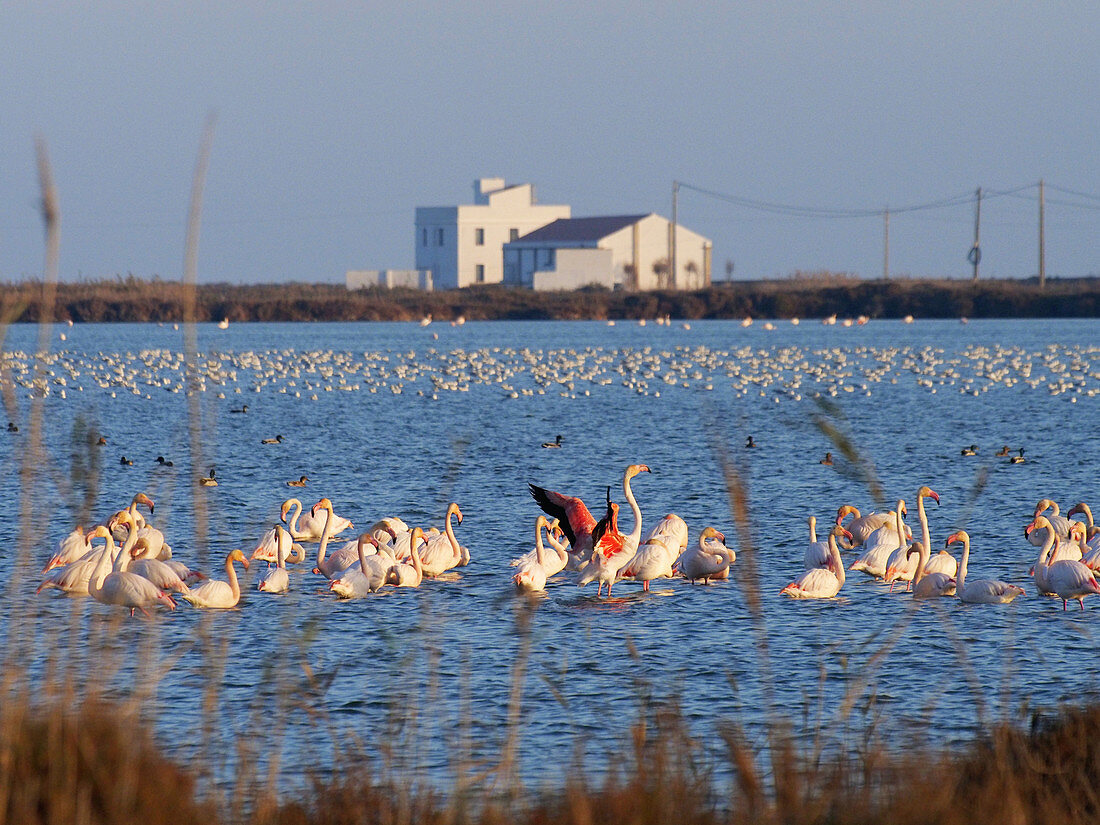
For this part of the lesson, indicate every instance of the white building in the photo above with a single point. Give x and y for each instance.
(631, 251)
(389, 278)
(462, 245)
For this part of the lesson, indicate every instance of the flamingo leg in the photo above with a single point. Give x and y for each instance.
(645, 587)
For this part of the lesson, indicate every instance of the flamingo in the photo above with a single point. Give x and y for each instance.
(710, 560)
(158, 572)
(673, 530)
(532, 575)
(554, 562)
(573, 516)
(154, 538)
(980, 591)
(443, 552)
(1060, 524)
(929, 585)
(817, 552)
(119, 587)
(1068, 579)
(267, 547)
(408, 575)
(312, 527)
(862, 527)
(900, 566)
(611, 550)
(276, 579)
(880, 544)
(69, 549)
(653, 560)
(821, 582)
(369, 576)
(137, 518)
(216, 593)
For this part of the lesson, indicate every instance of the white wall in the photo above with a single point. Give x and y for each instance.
(576, 268)
(389, 278)
(454, 264)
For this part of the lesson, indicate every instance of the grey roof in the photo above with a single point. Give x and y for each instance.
(582, 229)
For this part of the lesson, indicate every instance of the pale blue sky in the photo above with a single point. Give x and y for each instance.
(335, 120)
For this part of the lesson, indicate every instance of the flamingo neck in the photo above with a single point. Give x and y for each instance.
(122, 560)
(813, 530)
(926, 539)
(231, 573)
(1048, 545)
(450, 531)
(292, 525)
(838, 565)
(960, 579)
(95, 583)
(325, 534)
(540, 552)
(363, 556)
(635, 534)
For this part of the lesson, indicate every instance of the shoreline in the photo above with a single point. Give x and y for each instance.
(133, 300)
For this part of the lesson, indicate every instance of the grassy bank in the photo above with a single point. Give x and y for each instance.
(95, 763)
(802, 297)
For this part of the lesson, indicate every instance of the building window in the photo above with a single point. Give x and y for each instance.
(439, 236)
(548, 258)
(513, 234)
(424, 236)
(479, 236)
(479, 273)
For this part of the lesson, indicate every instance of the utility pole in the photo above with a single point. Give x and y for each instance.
(886, 244)
(672, 237)
(975, 256)
(1042, 240)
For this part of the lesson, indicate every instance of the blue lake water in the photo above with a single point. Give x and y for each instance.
(386, 419)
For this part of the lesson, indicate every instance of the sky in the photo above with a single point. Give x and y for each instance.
(334, 121)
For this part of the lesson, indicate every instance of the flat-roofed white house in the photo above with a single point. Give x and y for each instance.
(630, 251)
(462, 245)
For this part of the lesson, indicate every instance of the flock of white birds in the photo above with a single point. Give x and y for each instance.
(783, 373)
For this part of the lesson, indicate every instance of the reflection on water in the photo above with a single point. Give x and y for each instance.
(386, 420)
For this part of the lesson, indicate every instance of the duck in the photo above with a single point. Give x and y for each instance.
(827, 460)
(102, 442)
(301, 482)
(241, 409)
(126, 462)
(1017, 459)
(163, 462)
(749, 444)
(12, 428)
(276, 440)
(550, 445)
(208, 481)
(1003, 452)
(971, 450)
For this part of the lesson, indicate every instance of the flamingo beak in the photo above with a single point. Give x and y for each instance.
(934, 496)
(846, 534)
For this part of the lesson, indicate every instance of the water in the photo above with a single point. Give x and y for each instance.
(467, 426)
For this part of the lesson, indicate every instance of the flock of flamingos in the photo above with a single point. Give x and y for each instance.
(139, 572)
